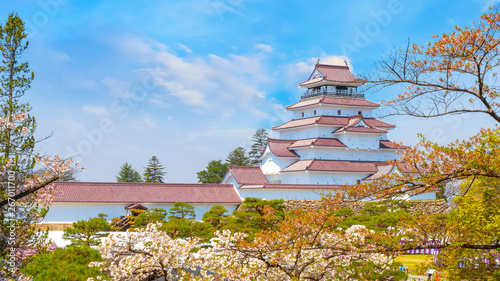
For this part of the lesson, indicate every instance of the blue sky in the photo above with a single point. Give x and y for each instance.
(189, 81)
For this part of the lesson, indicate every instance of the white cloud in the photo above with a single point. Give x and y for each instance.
(336, 60)
(185, 48)
(234, 81)
(95, 110)
(264, 47)
(187, 96)
(144, 123)
(118, 88)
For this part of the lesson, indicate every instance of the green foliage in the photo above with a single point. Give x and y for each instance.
(215, 216)
(70, 264)
(259, 140)
(16, 78)
(153, 172)
(214, 173)
(182, 210)
(87, 232)
(17, 141)
(378, 216)
(128, 174)
(255, 215)
(473, 229)
(186, 228)
(238, 157)
(145, 217)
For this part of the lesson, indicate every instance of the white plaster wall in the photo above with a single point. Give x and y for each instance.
(323, 153)
(424, 196)
(359, 141)
(289, 194)
(330, 111)
(272, 164)
(308, 132)
(71, 212)
(313, 177)
(232, 181)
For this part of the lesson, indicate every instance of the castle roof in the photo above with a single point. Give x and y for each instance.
(341, 101)
(280, 147)
(386, 144)
(128, 192)
(332, 166)
(248, 175)
(332, 121)
(317, 142)
(332, 73)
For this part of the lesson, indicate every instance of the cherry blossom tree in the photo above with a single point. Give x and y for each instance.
(26, 177)
(146, 253)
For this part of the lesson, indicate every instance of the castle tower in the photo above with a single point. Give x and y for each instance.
(332, 140)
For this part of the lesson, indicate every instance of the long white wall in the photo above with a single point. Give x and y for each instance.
(71, 212)
(314, 177)
(287, 194)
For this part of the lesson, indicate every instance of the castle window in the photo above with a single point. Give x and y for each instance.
(302, 114)
(338, 112)
(315, 112)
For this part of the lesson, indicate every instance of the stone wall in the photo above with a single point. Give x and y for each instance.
(427, 206)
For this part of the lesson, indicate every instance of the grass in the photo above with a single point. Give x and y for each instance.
(412, 261)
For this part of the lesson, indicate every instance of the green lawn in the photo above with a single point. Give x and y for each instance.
(412, 261)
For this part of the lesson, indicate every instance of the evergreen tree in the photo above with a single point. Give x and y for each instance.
(259, 140)
(128, 174)
(238, 157)
(214, 173)
(182, 210)
(154, 171)
(215, 216)
(87, 232)
(17, 142)
(71, 263)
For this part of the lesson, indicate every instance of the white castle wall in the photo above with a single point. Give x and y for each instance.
(285, 194)
(308, 132)
(271, 164)
(325, 153)
(70, 212)
(330, 111)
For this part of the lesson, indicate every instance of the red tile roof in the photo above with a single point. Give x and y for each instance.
(332, 165)
(118, 192)
(335, 73)
(248, 175)
(280, 147)
(382, 170)
(332, 121)
(343, 101)
(361, 130)
(391, 145)
(318, 142)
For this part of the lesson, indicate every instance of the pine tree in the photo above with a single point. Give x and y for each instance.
(214, 172)
(17, 143)
(259, 140)
(128, 174)
(238, 157)
(153, 172)
(181, 210)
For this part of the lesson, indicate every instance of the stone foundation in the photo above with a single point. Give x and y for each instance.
(53, 226)
(427, 206)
